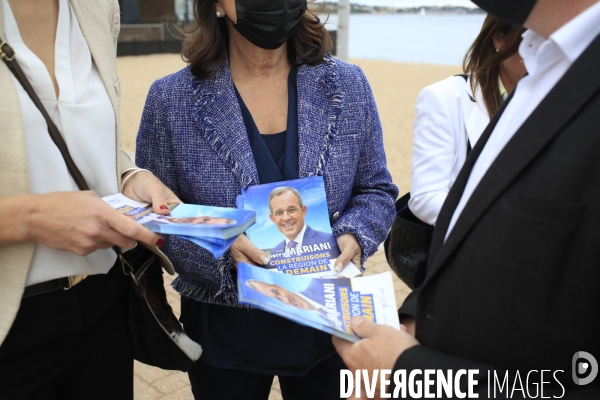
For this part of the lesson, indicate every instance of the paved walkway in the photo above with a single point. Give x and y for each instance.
(155, 384)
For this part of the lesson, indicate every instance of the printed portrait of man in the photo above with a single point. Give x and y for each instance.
(288, 212)
(312, 299)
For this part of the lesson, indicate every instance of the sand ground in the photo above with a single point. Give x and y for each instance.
(395, 87)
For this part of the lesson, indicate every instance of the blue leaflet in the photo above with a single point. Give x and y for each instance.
(324, 304)
(213, 228)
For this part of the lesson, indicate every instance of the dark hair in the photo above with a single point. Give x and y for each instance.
(205, 44)
(482, 62)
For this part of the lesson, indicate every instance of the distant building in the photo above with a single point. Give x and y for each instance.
(147, 11)
(147, 26)
(357, 8)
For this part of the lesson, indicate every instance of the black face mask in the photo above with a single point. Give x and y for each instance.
(268, 23)
(513, 11)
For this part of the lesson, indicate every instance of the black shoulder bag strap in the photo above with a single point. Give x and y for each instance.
(8, 55)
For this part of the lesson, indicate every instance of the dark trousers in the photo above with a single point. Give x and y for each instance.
(71, 344)
(321, 383)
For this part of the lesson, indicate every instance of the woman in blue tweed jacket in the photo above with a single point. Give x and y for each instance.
(201, 133)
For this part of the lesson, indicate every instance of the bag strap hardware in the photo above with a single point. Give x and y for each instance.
(74, 280)
(4, 55)
(128, 269)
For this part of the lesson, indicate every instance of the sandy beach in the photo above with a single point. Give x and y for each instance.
(395, 87)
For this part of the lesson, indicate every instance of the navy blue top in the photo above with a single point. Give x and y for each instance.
(249, 339)
(286, 168)
(276, 145)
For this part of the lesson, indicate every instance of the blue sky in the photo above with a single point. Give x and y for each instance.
(412, 3)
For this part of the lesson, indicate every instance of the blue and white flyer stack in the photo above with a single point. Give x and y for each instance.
(213, 228)
(292, 227)
(324, 304)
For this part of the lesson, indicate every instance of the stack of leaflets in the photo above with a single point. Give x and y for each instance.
(324, 304)
(213, 228)
(292, 227)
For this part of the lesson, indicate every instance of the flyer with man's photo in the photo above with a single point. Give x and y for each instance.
(292, 227)
(213, 228)
(324, 304)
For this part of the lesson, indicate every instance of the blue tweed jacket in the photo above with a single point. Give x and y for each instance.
(192, 136)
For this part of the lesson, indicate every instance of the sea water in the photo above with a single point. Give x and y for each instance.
(430, 39)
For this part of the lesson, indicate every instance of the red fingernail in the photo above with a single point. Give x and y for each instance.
(164, 207)
(160, 242)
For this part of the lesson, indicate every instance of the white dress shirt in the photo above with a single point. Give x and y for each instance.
(546, 61)
(298, 239)
(84, 115)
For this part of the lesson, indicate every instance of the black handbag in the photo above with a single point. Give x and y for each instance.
(407, 245)
(157, 335)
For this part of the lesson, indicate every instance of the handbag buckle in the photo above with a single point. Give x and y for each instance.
(5, 56)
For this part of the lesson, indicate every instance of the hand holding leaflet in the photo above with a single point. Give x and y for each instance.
(324, 304)
(213, 228)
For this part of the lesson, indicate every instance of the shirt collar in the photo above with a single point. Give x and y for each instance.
(569, 42)
(299, 238)
(577, 34)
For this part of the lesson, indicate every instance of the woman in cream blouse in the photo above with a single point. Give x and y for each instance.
(57, 343)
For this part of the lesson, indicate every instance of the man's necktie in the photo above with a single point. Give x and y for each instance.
(292, 244)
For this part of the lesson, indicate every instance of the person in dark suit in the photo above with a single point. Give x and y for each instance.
(514, 266)
(288, 213)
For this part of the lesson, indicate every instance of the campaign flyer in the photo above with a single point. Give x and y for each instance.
(204, 221)
(213, 228)
(292, 227)
(324, 304)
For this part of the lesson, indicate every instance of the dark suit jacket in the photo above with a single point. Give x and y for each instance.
(312, 237)
(516, 286)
